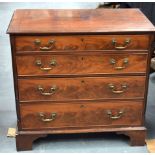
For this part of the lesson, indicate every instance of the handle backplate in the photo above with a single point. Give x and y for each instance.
(51, 65)
(50, 45)
(124, 64)
(115, 116)
(44, 118)
(44, 93)
(115, 91)
(121, 47)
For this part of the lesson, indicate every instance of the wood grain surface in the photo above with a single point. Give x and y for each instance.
(81, 42)
(81, 64)
(81, 88)
(79, 21)
(82, 114)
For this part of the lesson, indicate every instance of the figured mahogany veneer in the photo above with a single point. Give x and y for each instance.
(81, 88)
(80, 71)
(79, 42)
(82, 114)
(81, 64)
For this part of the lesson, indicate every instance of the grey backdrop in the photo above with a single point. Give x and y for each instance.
(7, 100)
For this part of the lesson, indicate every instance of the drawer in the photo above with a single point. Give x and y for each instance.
(81, 42)
(84, 114)
(32, 65)
(86, 88)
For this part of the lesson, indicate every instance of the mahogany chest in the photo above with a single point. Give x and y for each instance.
(80, 71)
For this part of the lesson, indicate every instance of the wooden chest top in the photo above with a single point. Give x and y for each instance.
(79, 21)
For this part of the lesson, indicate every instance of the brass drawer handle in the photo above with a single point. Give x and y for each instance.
(52, 63)
(117, 116)
(113, 88)
(125, 63)
(50, 45)
(126, 43)
(44, 119)
(51, 92)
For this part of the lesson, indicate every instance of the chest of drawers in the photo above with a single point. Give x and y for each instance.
(80, 71)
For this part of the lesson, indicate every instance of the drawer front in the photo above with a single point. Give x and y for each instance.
(60, 89)
(81, 64)
(49, 115)
(81, 42)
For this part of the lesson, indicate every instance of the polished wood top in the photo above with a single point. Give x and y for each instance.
(79, 21)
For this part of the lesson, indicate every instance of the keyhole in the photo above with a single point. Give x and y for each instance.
(82, 81)
(82, 58)
(82, 106)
